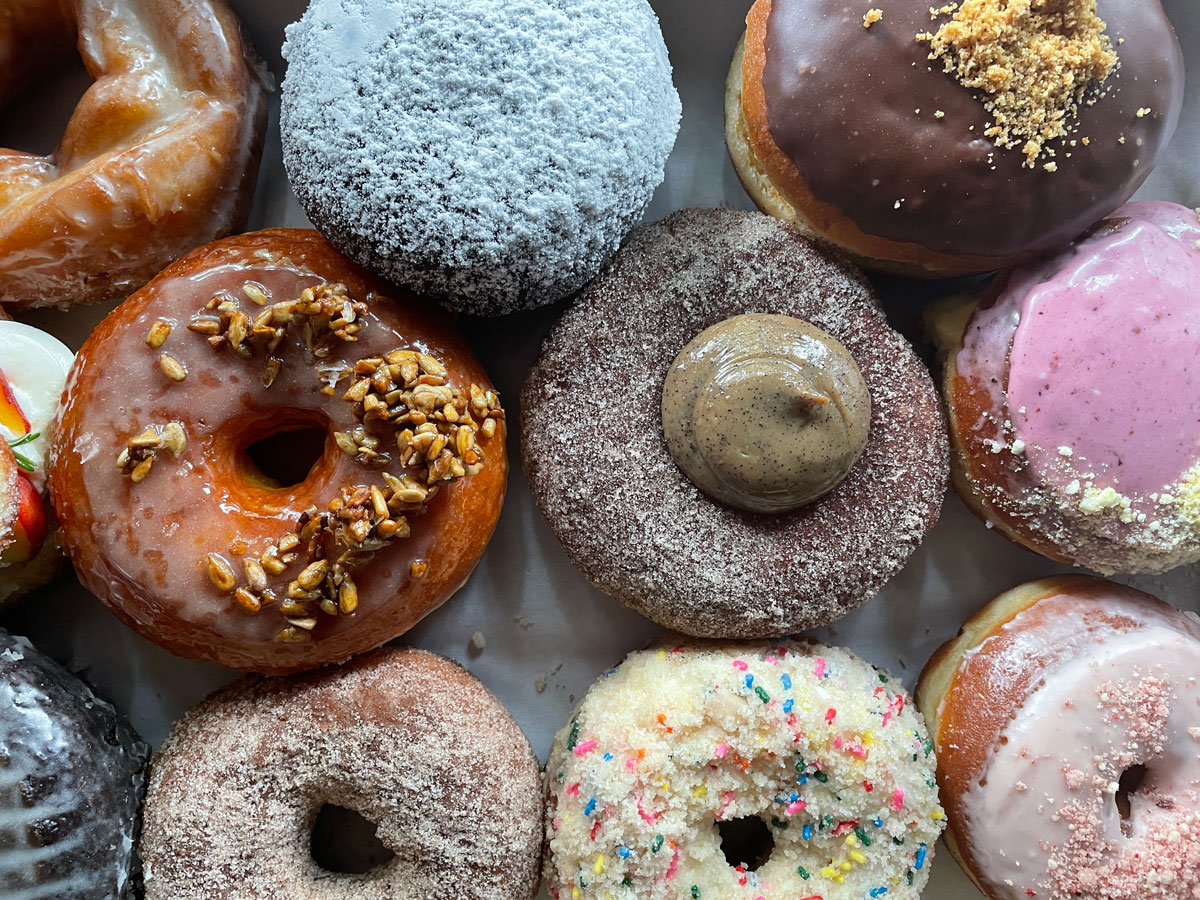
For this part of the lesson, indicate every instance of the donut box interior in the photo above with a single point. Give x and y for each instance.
(547, 634)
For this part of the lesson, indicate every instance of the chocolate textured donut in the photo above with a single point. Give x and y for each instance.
(854, 131)
(488, 153)
(74, 774)
(268, 458)
(625, 513)
(409, 740)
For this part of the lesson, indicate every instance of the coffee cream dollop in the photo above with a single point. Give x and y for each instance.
(765, 413)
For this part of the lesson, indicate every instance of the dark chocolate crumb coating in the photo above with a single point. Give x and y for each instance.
(857, 111)
(72, 775)
(627, 515)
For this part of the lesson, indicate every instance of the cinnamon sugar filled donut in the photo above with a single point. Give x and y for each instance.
(628, 515)
(269, 459)
(409, 740)
(1066, 723)
(160, 155)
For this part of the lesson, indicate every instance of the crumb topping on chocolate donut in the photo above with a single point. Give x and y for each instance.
(1034, 62)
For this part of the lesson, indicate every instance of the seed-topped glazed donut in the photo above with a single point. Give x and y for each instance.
(727, 771)
(74, 775)
(726, 435)
(1066, 720)
(267, 458)
(947, 139)
(408, 740)
(161, 153)
(1075, 425)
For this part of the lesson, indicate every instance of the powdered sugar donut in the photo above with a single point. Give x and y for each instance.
(409, 740)
(663, 783)
(490, 153)
(1066, 718)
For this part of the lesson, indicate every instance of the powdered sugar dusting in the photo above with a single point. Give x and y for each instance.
(490, 153)
(629, 518)
(408, 739)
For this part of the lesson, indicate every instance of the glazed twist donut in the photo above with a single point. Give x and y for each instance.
(161, 153)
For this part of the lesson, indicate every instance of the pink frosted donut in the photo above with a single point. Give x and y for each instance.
(1066, 724)
(1074, 414)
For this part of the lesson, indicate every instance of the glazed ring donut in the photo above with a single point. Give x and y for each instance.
(278, 495)
(840, 121)
(160, 155)
(625, 513)
(724, 771)
(74, 775)
(1074, 429)
(1066, 720)
(408, 740)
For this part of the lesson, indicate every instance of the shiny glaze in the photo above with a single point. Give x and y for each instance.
(765, 412)
(161, 153)
(143, 547)
(1043, 717)
(841, 105)
(1086, 364)
(72, 774)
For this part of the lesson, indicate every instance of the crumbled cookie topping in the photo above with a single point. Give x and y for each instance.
(1034, 61)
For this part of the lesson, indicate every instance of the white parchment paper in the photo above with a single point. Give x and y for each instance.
(548, 634)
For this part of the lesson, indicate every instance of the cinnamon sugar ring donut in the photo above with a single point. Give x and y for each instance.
(600, 471)
(270, 459)
(160, 155)
(1066, 722)
(409, 740)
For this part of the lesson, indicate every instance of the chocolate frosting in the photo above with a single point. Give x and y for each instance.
(841, 104)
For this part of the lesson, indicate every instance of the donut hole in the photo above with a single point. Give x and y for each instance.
(36, 117)
(746, 842)
(347, 843)
(1128, 784)
(283, 457)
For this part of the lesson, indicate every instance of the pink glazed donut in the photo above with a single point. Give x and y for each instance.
(1066, 725)
(1073, 400)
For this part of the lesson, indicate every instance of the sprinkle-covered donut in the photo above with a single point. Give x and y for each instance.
(1066, 720)
(268, 458)
(489, 153)
(408, 740)
(603, 475)
(725, 771)
(72, 774)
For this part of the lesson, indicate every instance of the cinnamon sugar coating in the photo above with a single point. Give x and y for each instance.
(629, 518)
(408, 739)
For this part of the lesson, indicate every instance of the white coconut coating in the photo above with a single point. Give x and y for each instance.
(821, 746)
(489, 153)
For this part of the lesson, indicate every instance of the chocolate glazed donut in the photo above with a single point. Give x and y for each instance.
(854, 134)
(244, 497)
